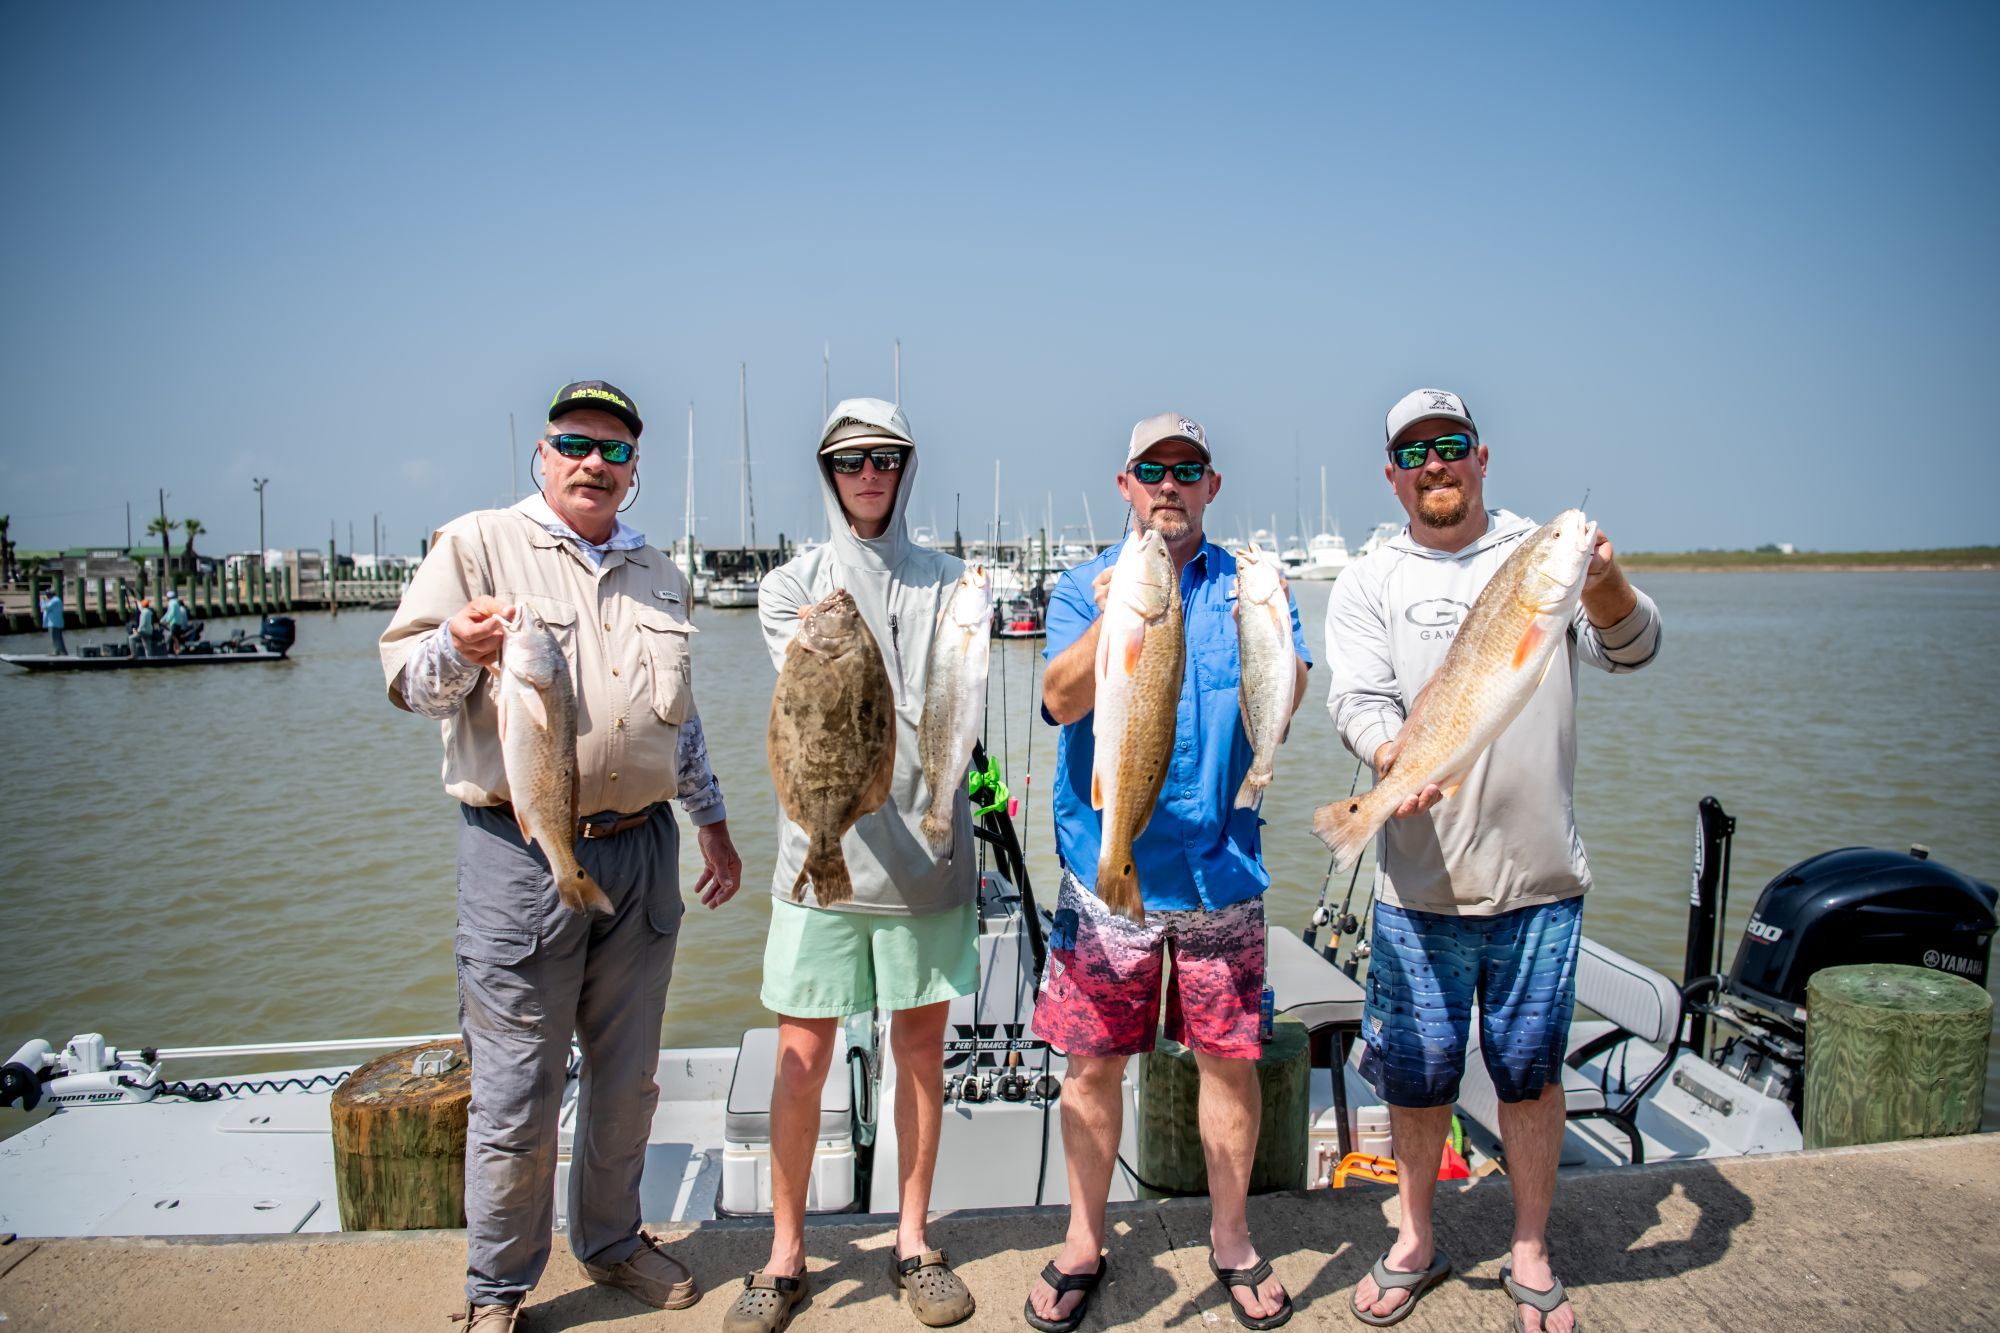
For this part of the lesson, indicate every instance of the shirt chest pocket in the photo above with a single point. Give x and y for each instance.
(1211, 634)
(558, 618)
(669, 669)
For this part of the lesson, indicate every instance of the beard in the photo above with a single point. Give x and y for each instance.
(1443, 506)
(1171, 524)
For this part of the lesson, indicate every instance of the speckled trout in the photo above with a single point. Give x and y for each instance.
(1140, 647)
(1268, 665)
(832, 738)
(955, 697)
(1503, 650)
(538, 751)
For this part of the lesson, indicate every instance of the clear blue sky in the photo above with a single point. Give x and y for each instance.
(1731, 268)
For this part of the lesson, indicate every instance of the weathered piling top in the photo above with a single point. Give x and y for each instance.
(1894, 1236)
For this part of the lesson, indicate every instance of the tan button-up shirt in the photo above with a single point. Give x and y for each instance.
(623, 628)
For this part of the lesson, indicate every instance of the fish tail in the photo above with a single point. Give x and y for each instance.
(578, 891)
(1252, 790)
(937, 826)
(1345, 826)
(1118, 884)
(827, 869)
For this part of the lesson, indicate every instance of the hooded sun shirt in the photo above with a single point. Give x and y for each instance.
(900, 589)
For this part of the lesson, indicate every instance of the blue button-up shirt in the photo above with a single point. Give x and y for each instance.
(1198, 851)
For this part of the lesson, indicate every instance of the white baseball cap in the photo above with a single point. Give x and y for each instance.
(857, 422)
(1167, 426)
(1420, 403)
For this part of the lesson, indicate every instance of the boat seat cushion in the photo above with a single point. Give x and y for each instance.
(1305, 986)
(747, 1115)
(1477, 1098)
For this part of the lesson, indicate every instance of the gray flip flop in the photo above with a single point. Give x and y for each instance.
(1547, 1301)
(1389, 1279)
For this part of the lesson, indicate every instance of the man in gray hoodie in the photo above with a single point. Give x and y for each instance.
(908, 941)
(1479, 898)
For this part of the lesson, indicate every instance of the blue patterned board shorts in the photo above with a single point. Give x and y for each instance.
(1426, 972)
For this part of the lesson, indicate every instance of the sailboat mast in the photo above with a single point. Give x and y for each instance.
(690, 497)
(748, 527)
(899, 372)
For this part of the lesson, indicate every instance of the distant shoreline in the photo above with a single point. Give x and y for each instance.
(1950, 559)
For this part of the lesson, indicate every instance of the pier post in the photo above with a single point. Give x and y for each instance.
(399, 1143)
(1893, 1052)
(1170, 1153)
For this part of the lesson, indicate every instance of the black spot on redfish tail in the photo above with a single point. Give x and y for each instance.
(1344, 830)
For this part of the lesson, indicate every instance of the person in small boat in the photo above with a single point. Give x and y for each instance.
(52, 621)
(907, 943)
(176, 622)
(1201, 879)
(145, 631)
(532, 972)
(1480, 897)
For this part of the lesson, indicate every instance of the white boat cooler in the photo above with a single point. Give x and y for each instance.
(746, 1135)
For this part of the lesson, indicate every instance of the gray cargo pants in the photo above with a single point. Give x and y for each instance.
(531, 972)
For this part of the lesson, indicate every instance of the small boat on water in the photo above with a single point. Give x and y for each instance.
(1018, 618)
(271, 643)
(131, 1152)
(732, 593)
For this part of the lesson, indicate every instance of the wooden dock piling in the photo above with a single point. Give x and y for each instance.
(1893, 1052)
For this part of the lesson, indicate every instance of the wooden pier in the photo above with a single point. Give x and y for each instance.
(1895, 1236)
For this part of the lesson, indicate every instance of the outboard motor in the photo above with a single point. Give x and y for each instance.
(279, 633)
(1855, 905)
(1861, 905)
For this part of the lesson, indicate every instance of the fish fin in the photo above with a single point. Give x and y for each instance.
(1531, 639)
(1546, 666)
(1452, 790)
(535, 708)
(521, 823)
(1118, 886)
(500, 714)
(937, 826)
(1096, 791)
(1251, 793)
(579, 892)
(832, 885)
(1131, 645)
(1345, 827)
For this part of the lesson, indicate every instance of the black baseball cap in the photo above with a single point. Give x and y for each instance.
(597, 396)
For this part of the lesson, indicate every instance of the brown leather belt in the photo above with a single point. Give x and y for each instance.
(594, 829)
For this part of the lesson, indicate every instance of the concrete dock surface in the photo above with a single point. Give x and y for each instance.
(1898, 1236)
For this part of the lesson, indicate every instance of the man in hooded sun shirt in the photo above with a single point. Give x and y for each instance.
(1201, 881)
(907, 942)
(1479, 897)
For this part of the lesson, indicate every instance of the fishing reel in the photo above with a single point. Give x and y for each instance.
(85, 1072)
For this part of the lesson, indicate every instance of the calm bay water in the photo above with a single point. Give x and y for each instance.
(264, 853)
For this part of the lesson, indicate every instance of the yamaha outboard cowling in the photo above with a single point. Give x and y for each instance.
(279, 633)
(1861, 905)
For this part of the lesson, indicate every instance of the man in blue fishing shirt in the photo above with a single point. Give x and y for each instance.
(1201, 880)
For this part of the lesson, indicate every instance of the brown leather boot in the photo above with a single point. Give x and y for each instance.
(652, 1275)
(488, 1318)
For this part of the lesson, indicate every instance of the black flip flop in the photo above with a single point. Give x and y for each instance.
(1415, 1282)
(1252, 1278)
(1545, 1299)
(1064, 1283)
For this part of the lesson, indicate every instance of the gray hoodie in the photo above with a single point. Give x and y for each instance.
(900, 588)
(1508, 839)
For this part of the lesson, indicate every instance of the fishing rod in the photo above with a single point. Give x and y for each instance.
(1344, 923)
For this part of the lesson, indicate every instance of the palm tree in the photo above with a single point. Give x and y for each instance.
(163, 528)
(193, 528)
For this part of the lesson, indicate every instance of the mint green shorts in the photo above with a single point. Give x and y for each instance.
(821, 964)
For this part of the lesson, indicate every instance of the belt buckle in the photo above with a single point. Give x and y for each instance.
(587, 830)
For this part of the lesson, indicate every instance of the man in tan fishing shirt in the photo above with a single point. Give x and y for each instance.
(530, 971)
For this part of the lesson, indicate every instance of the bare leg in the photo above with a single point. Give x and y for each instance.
(1532, 1133)
(1092, 1118)
(1420, 1133)
(917, 1037)
(1232, 1110)
(805, 1049)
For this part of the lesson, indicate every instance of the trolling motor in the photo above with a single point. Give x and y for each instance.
(1854, 905)
(86, 1072)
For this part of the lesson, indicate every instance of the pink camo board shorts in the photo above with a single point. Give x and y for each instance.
(1100, 993)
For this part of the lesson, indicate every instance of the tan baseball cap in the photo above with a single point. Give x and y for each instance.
(857, 422)
(1167, 426)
